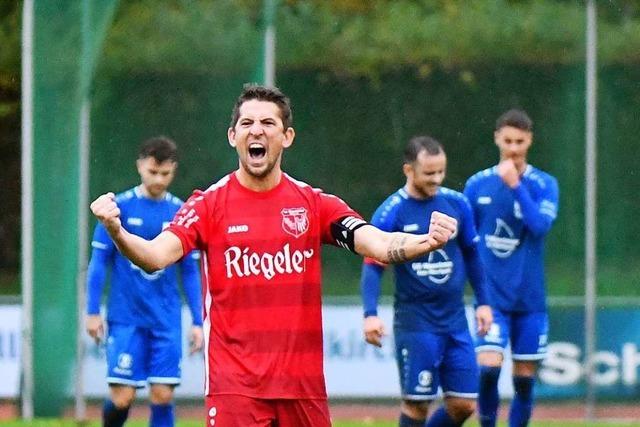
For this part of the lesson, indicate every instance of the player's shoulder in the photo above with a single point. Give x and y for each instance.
(455, 198)
(393, 203)
(173, 200)
(451, 194)
(314, 195)
(211, 192)
(127, 196)
(305, 188)
(216, 186)
(395, 199)
(541, 178)
(482, 175)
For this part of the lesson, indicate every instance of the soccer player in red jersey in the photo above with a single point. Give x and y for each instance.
(259, 232)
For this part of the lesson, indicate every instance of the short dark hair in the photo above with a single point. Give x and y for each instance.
(264, 93)
(515, 118)
(160, 148)
(421, 143)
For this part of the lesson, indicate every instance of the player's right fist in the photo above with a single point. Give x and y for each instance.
(107, 212)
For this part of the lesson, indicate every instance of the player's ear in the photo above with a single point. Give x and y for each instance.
(289, 136)
(496, 137)
(407, 169)
(231, 137)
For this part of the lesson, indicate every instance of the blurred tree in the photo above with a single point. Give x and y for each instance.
(9, 142)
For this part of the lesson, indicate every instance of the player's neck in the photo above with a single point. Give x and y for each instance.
(254, 183)
(145, 193)
(415, 194)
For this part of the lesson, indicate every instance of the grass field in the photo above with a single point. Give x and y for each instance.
(337, 423)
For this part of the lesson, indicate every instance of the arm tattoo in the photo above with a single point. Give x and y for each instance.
(396, 251)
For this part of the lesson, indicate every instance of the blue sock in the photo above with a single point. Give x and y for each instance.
(407, 421)
(162, 415)
(112, 416)
(441, 418)
(488, 398)
(522, 403)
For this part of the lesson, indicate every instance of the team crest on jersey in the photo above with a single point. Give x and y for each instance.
(295, 221)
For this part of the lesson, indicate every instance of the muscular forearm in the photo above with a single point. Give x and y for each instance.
(398, 247)
(146, 254)
(404, 247)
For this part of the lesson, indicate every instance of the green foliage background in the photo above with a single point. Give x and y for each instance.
(364, 76)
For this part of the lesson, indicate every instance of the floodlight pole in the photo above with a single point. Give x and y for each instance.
(27, 211)
(269, 43)
(590, 209)
(84, 132)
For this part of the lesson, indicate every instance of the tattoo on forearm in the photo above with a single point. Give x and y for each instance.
(396, 251)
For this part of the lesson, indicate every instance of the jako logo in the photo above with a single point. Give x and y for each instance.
(237, 229)
(243, 263)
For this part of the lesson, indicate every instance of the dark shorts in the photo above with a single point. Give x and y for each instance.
(232, 410)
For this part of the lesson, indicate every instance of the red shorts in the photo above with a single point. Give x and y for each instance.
(232, 410)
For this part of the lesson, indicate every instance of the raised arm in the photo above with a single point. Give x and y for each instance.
(150, 255)
(398, 247)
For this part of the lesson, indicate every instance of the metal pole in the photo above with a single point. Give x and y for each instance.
(27, 210)
(270, 44)
(84, 133)
(83, 255)
(590, 209)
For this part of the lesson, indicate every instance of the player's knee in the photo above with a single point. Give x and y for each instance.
(489, 358)
(122, 396)
(460, 409)
(161, 394)
(414, 409)
(525, 368)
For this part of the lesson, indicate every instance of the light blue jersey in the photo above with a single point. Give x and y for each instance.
(137, 298)
(512, 224)
(428, 290)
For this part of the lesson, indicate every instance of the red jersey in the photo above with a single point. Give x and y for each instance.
(262, 305)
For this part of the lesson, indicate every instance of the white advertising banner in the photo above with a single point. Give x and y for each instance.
(10, 327)
(353, 368)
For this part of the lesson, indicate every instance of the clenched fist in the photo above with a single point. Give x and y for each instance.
(107, 212)
(441, 228)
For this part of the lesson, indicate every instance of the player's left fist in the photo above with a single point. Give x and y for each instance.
(442, 227)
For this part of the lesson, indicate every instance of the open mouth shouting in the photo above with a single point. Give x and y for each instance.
(257, 151)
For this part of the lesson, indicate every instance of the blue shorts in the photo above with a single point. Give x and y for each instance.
(427, 361)
(527, 332)
(137, 356)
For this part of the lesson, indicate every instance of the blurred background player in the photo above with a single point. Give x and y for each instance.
(144, 342)
(260, 233)
(433, 344)
(514, 206)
